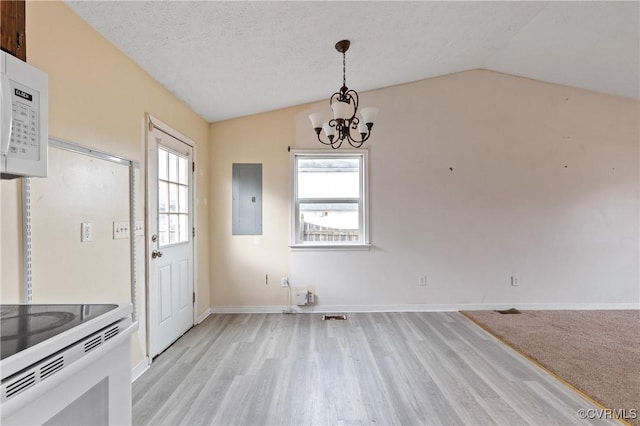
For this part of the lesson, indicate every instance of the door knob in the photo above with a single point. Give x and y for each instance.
(156, 253)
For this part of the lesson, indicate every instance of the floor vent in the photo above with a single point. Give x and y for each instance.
(509, 311)
(333, 317)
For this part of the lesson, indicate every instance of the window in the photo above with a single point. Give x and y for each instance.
(329, 199)
(173, 201)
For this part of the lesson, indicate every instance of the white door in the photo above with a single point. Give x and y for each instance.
(170, 244)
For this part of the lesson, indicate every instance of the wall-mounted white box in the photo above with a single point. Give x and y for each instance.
(304, 298)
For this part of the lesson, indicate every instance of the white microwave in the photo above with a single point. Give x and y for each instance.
(24, 118)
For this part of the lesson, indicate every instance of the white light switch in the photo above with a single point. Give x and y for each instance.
(86, 232)
(139, 229)
(120, 230)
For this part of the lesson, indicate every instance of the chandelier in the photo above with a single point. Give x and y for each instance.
(345, 125)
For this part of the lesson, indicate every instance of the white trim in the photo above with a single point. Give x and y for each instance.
(454, 307)
(169, 130)
(150, 124)
(140, 369)
(363, 201)
(203, 316)
(266, 309)
(329, 247)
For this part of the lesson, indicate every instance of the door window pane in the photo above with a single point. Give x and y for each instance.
(173, 167)
(184, 227)
(163, 197)
(183, 202)
(182, 170)
(173, 198)
(162, 164)
(173, 229)
(163, 229)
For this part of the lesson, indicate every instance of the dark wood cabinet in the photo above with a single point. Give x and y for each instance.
(12, 28)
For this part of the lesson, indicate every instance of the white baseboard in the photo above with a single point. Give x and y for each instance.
(140, 369)
(203, 316)
(265, 309)
(277, 309)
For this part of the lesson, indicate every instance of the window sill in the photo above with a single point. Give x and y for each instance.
(330, 247)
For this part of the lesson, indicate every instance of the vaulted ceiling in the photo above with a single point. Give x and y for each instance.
(229, 59)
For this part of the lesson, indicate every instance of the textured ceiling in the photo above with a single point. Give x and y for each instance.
(228, 59)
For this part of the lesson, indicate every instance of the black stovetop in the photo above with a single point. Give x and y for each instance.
(24, 326)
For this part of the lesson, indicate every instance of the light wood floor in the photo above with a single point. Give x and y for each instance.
(375, 369)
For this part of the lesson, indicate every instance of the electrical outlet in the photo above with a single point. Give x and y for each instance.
(284, 282)
(515, 281)
(422, 280)
(86, 232)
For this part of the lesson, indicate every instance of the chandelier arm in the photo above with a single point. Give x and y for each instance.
(353, 123)
(352, 94)
(337, 139)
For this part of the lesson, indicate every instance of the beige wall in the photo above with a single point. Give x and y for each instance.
(474, 177)
(98, 98)
(240, 263)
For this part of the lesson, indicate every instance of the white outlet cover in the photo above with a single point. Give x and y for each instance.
(86, 232)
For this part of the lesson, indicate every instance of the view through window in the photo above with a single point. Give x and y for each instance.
(329, 199)
(173, 198)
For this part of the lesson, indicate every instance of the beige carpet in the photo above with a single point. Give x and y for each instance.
(598, 352)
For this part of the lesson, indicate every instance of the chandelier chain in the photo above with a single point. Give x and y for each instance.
(344, 69)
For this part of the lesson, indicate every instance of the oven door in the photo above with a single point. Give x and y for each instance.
(94, 389)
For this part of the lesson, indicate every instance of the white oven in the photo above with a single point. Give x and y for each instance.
(66, 364)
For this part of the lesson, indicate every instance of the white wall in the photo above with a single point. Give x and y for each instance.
(478, 176)
(98, 98)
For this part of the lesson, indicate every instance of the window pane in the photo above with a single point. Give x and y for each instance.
(163, 229)
(184, 231)
(329, 222)
(183, 206)
(173, 229)
(163, 194)
(173, 167)
(173, 197)
(328, 178)
(182, 170)
(162, 164)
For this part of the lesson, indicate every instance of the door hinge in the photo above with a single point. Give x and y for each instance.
(194, 232)
(193, 166)
(194, 297)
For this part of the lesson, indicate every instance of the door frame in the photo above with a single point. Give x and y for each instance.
(152, 123)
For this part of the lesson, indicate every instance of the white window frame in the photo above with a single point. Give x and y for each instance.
(363, 219)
